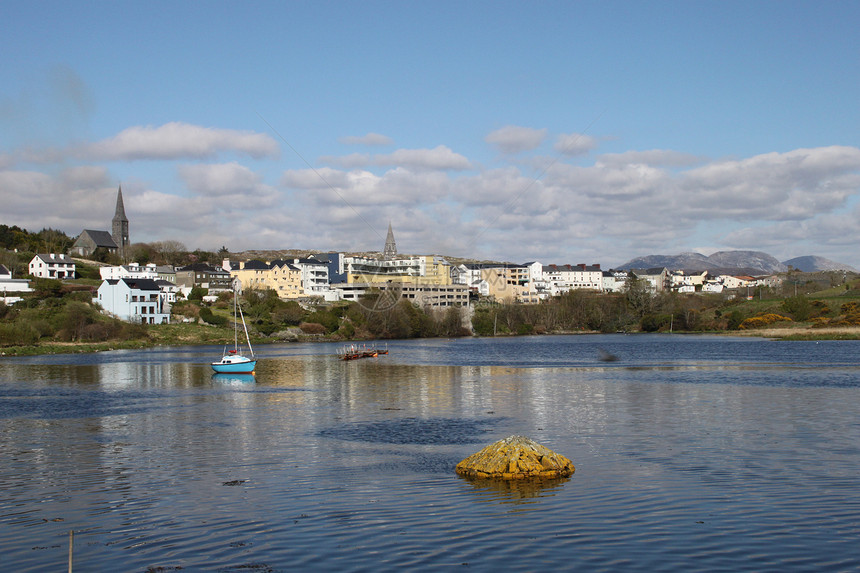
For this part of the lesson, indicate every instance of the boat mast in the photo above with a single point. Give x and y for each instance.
(247, 338)
(235, 324)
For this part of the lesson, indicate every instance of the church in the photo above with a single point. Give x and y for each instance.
(116, 242)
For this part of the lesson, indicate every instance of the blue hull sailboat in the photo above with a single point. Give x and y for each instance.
(234, 362)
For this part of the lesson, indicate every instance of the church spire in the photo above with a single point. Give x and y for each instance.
(390, 251)
(119, 228)
(120, 207)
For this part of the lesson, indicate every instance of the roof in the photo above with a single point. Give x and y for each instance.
(100, 238)
(204, 267)
(54, 257)
(254, 265)
(4, 270)
(142, 284)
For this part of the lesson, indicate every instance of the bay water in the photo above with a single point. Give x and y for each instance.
(692, 452)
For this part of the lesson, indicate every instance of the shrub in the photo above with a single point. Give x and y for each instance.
(798, 307)
(735, 320)
(197, 293)
(208, 317)
(18, 334)
(654, 322)
(762, 321)
(186, 308)
(312, 328)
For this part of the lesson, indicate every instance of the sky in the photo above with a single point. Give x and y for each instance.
(561, 132)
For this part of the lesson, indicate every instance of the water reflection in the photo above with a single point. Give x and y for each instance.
(233, 379)
(515, 490)
(136, 451)
(412, 431)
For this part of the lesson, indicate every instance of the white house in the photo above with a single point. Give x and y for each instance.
(10, 287)
(52, 266)
(134, 300)
(563, 278)
(680, 280)
(736, 281)
(129, 271)
(614, 281)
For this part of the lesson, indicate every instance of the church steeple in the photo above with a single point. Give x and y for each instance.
(119, 228)
(390, 251)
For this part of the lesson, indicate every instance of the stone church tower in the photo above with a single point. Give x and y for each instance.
(119, 229)
(390, 251)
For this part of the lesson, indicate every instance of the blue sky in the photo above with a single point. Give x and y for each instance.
(564, 132)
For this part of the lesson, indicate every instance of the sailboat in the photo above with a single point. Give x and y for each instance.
(233, 361)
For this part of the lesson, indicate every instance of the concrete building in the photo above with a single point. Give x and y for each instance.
(423, 295)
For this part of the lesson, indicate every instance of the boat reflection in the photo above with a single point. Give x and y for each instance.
(228, 379)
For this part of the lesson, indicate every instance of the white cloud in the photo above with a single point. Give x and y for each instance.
(233, 185)
(774, 186)
(439, 158)
(515, 139)
(620, 206)
(369, 139)
(653, 157)
(178, 140)
(573, 144)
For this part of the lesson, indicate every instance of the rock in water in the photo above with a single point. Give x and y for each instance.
(515, 457)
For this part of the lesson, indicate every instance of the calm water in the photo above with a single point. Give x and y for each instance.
(700, 453)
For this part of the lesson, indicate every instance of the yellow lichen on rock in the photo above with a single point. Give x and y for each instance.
(515, 457)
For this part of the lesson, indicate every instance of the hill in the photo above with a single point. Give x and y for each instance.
(746, 262)
(811, 263)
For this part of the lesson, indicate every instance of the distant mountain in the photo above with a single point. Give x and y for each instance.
(738, 262)
(811, 264)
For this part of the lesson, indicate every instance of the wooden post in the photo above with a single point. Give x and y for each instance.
(71, 546)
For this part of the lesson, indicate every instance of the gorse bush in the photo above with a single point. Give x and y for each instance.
(762, 321)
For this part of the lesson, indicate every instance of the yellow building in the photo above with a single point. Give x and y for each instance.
(509, 284)
(280, 276)
(425, 270)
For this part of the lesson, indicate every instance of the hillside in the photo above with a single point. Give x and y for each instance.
(748, 262)
(811, 263)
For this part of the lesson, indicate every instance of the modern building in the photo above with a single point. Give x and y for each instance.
(134, 300)
(423, 295)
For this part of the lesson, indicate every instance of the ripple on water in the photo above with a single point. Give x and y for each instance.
(413, 431)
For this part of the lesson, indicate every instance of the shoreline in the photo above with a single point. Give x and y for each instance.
(787, 333)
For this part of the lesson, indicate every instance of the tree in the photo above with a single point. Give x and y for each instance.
(637, 293)
(798, 306)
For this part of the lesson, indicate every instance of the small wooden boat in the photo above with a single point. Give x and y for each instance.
(356, 351)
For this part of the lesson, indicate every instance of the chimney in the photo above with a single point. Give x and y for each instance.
(597, 266)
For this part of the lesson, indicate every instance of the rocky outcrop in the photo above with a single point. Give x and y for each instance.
(515, 457)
